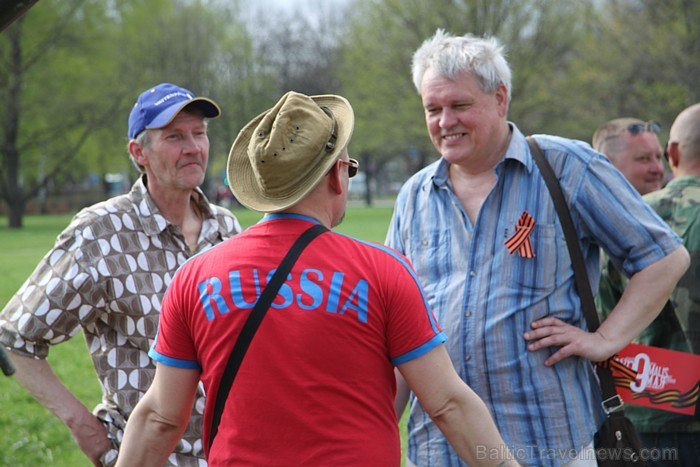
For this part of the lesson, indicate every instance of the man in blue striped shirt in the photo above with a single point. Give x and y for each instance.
(482, 232)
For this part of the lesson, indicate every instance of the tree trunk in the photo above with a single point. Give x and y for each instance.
(13, 192)
(16, 216)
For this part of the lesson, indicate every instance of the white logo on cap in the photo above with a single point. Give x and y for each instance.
(170, 96)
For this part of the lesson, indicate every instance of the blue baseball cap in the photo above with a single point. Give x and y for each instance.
(156, 107)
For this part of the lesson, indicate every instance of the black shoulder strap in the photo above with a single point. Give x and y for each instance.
(580, 274)
(253, 322)
(567, 224)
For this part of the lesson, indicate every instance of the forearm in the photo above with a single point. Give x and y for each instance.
(37, 377)
(481, 444)
(643, 299)
(457, 410)
(148, 440)
(160, 418)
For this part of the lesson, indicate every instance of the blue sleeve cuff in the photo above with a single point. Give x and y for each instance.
(175, 362)
(439, 339)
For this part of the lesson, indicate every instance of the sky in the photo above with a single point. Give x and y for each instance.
(309, 6)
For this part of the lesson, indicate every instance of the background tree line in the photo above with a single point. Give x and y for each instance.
(70, 71)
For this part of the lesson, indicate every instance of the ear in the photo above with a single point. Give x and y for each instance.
(136, 152)
(672, 154)
(335, 183)
(502, 99)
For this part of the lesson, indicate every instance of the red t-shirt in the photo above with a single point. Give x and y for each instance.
(317, 384)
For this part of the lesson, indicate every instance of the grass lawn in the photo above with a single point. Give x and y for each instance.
(29, 435)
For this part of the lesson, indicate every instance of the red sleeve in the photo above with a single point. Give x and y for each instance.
(412, 328)
(174, 345)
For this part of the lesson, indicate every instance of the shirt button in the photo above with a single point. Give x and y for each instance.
(467, 357)
(425, 242)
(472, 273)
(467, 313)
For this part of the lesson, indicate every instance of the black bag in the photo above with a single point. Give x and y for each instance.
(616, 443)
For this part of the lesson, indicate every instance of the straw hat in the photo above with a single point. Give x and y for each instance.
(283, 153)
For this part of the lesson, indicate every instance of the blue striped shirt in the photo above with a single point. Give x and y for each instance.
(485, 298)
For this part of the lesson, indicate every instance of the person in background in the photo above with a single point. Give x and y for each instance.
(108, 271)
(632, 145)
(482, 232)
(677, 328)
(678, 204)
(316, 386)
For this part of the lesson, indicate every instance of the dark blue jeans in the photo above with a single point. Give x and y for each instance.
(671, 449)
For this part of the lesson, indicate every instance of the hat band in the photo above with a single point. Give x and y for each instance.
(333, 136)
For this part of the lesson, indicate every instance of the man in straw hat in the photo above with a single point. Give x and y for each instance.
(316, 386)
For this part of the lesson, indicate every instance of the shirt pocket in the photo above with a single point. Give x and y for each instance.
(538, 273)
(439, 256)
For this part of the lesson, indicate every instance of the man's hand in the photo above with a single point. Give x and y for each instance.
(91, 437)
(38, 378)
(571, 340)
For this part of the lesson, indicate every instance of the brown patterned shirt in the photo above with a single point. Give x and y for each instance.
(106, 275)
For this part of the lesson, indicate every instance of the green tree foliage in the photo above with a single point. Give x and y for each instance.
(49, 61)
(542, 43)
(540, 36)
(640, 59)
(301, 50)
(575, 64)
(70, 70)
(200, 45)
(375, 77)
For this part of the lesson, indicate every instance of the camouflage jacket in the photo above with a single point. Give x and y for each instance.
(678, 204)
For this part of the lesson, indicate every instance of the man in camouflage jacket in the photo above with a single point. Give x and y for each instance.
(679, 205)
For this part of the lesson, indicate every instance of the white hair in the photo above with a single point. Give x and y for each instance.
(449, 55)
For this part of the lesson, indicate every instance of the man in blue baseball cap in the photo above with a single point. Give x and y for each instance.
(158, 106)
(108, 272)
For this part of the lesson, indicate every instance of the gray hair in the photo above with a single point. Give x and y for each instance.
(450, 55)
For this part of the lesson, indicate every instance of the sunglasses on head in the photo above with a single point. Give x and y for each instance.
(637, 128)
(353, 166)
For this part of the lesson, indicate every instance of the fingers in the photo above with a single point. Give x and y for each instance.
(566, 340)
(558, 356)
(545, 327)
(551, 333)
(548, 321)
(565, 344)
